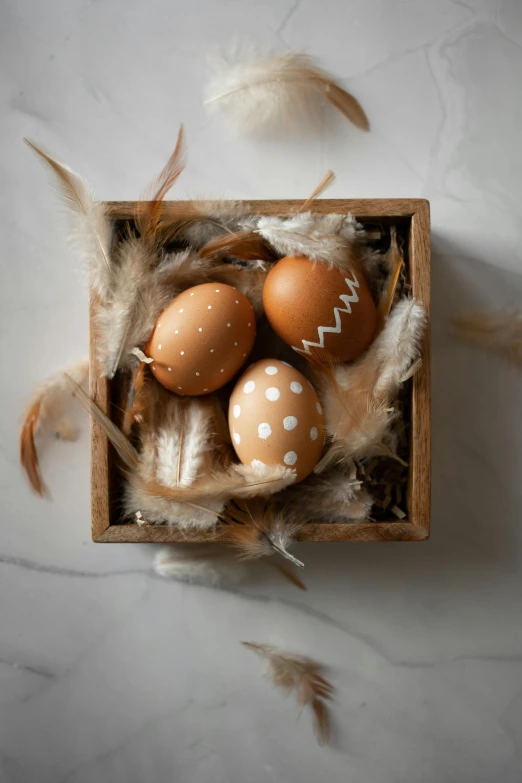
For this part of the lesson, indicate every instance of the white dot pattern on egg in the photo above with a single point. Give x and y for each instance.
(206, 334)
(274, 414)
(264, 430)
(290, 423)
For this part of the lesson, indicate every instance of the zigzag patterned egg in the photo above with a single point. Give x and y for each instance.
(316, 309)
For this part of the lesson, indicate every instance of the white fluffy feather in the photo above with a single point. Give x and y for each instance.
(259, 93)
(197, 441)
(263, 480)
(329, 238)
(139, 294)
(210, 565)
(177, 445)
(338, 497)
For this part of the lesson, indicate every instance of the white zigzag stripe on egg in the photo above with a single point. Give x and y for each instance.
(321, 330)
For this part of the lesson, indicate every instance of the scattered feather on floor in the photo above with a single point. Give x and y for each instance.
(203, 564)
(45, 413)
(303, 676)
(258, 93)
(497, 333)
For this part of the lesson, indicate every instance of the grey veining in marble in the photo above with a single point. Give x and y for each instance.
(109, 673)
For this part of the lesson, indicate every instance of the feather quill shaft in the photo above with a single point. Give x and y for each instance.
(258, 529)
(327, 180)
(123, 446)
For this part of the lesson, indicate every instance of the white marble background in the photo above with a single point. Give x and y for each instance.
(108, 673)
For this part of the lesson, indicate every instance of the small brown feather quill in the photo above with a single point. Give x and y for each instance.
(395, 261)
(300, 675)
(246, 245)
(148, 216)
(327, 180)
(28, 453)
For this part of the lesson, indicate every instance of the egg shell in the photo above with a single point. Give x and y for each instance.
(275, 417)
(202, 339)
(317, 309)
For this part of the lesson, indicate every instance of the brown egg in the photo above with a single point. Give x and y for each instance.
(314, 308)
(276, 418)
(202, 339)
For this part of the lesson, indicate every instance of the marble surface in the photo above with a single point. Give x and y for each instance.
(109, 673)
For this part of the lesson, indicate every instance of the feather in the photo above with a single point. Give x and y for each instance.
(209, 219)
(45, 412)
(334, 239)
(135, 399)
(327, 180)
(497, 333)
(288, 574)
(246, 245)
(163, 510)
(197, 424)
(124, 448)
(301, 675)
(221, 485)
(127, 321)
(395, 262)
(90, 231)
(160, 509)
(337, 496)
(138, 296)
(184, 474)
(203, 564)
(257, 93)
(356, 396)
(148, 217)
(259, 529)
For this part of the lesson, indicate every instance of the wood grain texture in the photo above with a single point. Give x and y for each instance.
(419, 483)
(365, 531)
(417, 525)
(361, 208)
(99, 392)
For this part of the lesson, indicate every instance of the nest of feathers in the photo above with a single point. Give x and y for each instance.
(177, 463)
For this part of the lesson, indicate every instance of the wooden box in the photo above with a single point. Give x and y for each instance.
(412, 217)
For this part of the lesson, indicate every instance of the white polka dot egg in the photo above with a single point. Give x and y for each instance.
(275, 418)
(202, 339)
